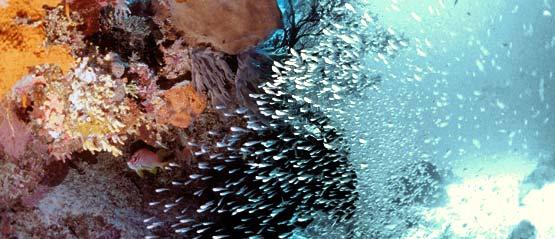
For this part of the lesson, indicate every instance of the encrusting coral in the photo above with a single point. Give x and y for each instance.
(23, 42)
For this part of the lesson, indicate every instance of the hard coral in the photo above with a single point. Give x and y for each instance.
(22, 46)
(62, 29)
(82, 110)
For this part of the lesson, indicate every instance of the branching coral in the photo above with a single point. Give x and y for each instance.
(22, 45)
(177, 60)
(133, 29)
(62, 29)
(145, 82)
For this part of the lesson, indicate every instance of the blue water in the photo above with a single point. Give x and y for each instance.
(473, 94)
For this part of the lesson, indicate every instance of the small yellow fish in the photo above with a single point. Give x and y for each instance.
(145, 160)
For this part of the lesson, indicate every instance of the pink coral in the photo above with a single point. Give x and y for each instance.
(14, 134)
(177, 59)
(146, 80)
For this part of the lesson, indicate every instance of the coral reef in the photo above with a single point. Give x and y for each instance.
(238, 135)
(81, 110)
(95, 200)
(23, 39)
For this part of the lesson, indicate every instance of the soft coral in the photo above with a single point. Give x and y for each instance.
(90, 11)
(14, 133)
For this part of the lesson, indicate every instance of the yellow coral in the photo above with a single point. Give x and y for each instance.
(22, 46)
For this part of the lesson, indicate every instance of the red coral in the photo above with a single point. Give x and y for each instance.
(146, 80)
(5, 228)
(177, 60)
(90, 12)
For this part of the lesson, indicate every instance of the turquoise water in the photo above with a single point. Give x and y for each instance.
(472, 94)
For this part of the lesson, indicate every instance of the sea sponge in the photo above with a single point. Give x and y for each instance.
(181, 105)
(22, 45)
(229, 26)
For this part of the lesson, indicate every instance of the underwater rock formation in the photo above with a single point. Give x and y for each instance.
(228, 26)
(419, 183)
(543, 174)
(95, 200)
(524, 230)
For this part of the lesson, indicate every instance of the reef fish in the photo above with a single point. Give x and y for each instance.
(145, 160)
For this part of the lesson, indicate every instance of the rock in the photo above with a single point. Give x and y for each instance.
(228, 26)
(543, 174)
(417, 183)
(524, 230)
(55, 173)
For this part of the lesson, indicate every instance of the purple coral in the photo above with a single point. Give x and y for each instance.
(146, 80)
(177, 59)
(213, 76)
(248, 78)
